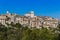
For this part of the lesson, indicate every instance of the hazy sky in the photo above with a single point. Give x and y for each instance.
(40, 7)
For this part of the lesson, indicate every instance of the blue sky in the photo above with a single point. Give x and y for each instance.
(41, 7)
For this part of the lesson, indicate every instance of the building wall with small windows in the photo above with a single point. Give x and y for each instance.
(29, 19)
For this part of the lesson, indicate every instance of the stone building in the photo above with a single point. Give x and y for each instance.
(50, 22)
(29, 20)
(2, 19)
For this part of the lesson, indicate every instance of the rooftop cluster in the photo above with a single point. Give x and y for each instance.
(29, 19)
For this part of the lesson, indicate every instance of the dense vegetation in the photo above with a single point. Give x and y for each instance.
(18, 32)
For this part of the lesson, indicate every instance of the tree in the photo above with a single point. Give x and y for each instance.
(59, 31)
(19, 31)
(26, 33)
(3, 32)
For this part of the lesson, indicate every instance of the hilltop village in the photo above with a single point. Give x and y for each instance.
(29, 19)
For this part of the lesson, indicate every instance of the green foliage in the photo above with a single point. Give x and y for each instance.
(18, 32)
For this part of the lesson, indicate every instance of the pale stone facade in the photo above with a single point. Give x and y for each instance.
(50, 22)
(30, 19)
(2, 19)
